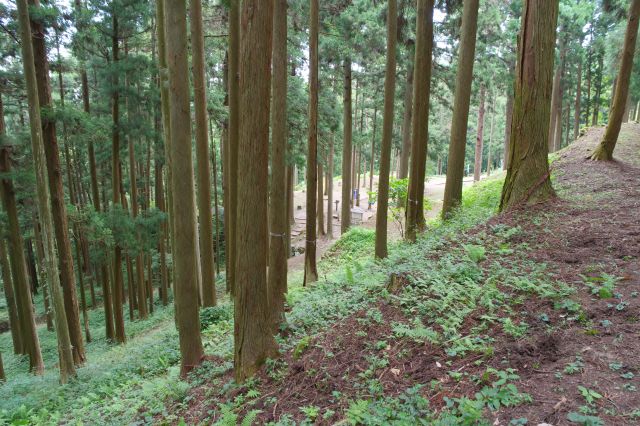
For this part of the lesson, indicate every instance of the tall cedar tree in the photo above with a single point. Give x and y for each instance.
(604, 151)
(54, 171)
(556, 96)
(166, 128)
(202, 156)
(65, 348)
(347, 149)
(310, 268)
(462, 97)
(116, 181)
(234, 129)
(387, 131)
(278, 215)
(403, 166)
(477, 166)
(420, 132)
(528, 173)
(253, 339)
(186, 284)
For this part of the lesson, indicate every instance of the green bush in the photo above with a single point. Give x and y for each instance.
(214, 314)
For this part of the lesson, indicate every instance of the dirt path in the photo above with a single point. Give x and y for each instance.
(434, 191)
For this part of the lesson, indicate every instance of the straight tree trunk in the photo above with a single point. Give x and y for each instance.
(202, 156)
(330, 191)
(43, 271)
(56, 191)
(290, 213)
(7, 281)
(345, 216)
(508, 123)
(605, 149)
(491, 125)
(373, 146)
(556, 98)
(403, 170)
(387, 132)
(234, 116)
(420, 132)
(278, 213)
(166, 123)
(24, 305)
(528, 173)
(320, 200)
(216, 210)
(116, 180)
(576, 112)
(557, 135)
(253, 338)
(596, 99)
(462, 97)
(477, 166)
(310, 269)
(186, 284)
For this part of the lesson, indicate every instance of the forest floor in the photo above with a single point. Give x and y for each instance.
(529, 317)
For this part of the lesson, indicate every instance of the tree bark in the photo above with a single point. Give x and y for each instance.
(278, 213)
(556, 98)
(29, 336)
(462, 97)
(202, 157)
(345, 215)
(7, 281)
(420, 132)
(116, 180)
(477, 166)
(330, 190)
(253, 338)
(234, 116)
(576, 112)
(387, 132)
(56, 191)
(310, 269)
(527, 178)
(403, 170)
(373, 145)
(320, 200)
(605, 149)
(596, 99)
(508, 122)
(186, 285)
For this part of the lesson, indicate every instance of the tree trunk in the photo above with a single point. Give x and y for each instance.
(278, 213)
(202, 156)
(139, 272)
(557, 134)
(345, 215)
(556, 98)
(116, 172)
(462, 97)
(310, 269)
(596, 99)
(387, 132)
(477, 167)
(528, 173)
(186, 286)
(420, 132)
(576, 112)
(403, 170)
(291, 170)
(373, 145)
(415, 221)
(58, 207)
(43, 271)
(493, 116)
(216, 209)
(253, 339)
(605, 149)
(7, 281)
(330, 190)
(234, 115)
(508, 123)
(320, 200)
(24, 305)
